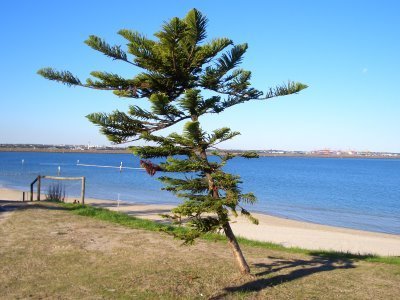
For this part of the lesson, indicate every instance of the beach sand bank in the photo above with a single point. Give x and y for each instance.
(289, 233)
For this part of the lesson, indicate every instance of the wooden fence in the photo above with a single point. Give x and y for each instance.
(39, 178)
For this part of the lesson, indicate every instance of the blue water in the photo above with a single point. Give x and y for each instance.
(354, 193)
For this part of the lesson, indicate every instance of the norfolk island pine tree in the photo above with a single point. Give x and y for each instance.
(178, 66)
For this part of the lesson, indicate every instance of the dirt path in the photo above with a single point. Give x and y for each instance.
(8, 207)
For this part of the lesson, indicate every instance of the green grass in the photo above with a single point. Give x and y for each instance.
(137, 223)
(393, 260)
(116, 217)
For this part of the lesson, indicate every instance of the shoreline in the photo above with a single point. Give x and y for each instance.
(287, 232)
(123, 151)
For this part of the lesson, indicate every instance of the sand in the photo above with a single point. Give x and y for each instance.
(288, 233)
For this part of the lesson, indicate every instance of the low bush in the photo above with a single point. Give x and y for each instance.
(56, 192)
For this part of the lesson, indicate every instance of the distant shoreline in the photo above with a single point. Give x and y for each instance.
(46, 150)
(126, 151)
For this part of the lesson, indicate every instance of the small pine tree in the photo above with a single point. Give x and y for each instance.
(178, 66)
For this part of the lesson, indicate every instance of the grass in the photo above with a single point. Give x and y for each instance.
(133, 222)
(71, 251)
(115, 217)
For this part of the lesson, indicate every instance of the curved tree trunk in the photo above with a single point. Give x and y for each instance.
(237, 252)
(232, 241)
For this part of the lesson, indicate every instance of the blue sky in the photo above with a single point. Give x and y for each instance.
(346, 51)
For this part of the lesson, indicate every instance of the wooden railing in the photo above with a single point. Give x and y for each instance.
(39, 178)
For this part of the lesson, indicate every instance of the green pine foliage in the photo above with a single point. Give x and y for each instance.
(178, 65)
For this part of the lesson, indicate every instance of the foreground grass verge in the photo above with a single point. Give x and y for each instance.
(138, 223)
(51, 251)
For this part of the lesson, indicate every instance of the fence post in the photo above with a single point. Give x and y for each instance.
(83, 190)
(38, 189)
(33, 182)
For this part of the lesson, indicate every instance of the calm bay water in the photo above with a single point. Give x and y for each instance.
(355, 193)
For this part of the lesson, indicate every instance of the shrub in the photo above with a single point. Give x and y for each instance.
(56, 192)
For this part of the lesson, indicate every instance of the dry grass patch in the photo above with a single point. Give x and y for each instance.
(46, 252)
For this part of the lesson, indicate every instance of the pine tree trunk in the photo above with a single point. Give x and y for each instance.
(232, 241)
(237, 252)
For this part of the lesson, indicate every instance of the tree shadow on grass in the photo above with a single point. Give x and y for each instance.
(57, 205)
(10, 205)
(43, 204)
(285, 270)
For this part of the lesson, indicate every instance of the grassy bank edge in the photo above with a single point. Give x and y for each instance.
(138, 223)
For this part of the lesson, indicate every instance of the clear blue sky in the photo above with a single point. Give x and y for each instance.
(348, 52)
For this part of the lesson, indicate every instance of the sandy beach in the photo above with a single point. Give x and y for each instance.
(289, 233)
